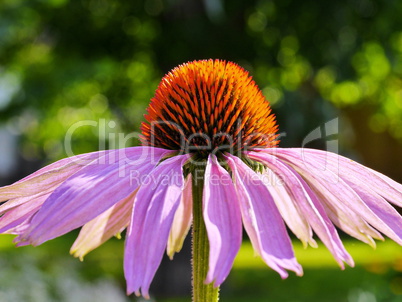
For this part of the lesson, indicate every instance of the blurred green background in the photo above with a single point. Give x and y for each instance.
(62, 62)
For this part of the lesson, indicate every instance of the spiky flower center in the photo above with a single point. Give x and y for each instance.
(209, 106)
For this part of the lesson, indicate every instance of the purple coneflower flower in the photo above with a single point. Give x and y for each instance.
(208, 121)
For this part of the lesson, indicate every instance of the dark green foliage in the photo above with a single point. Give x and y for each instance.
(67, 61)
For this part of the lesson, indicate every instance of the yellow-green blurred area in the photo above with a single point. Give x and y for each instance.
(50, 274)
(77, 76)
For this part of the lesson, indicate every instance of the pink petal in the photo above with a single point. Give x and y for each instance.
(287, 207)
(48, 177)
(324, 179)
(79, 160)
(380, 213)
(90, 192)
(379, 183)
(386, 187)
(328, 233)
(309, 205)
(20, 201)
(345, 220)
(358, 196)
(182, 220)
(154, 208)
(262, 220)
(222, 220)
(103, 227)
(346, 199)
(20, 216)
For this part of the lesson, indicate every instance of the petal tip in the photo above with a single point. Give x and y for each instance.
(300, 274)
(313, 243)
(209, 279)
(284, 274)
(170, 254)
(298, 270)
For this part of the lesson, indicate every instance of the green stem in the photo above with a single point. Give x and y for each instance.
(200, 246)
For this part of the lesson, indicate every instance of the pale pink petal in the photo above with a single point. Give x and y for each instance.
(20, 201)
(323, 179)
(182, 220)
(387, 188)
(154, 208)
(262, 220)
(359, 197)
(80, 160)
(90, 192)
(349, 211)
(309, 205)
(381, 214)
(379, 183)
(336, 247)
(345, 220)
(100, 229)
(48, 177)
(289, 210)
(222, 220)
(20, 215)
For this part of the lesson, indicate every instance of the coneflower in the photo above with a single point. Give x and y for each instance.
(209, 159)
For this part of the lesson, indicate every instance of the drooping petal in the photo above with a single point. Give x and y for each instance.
(309, 204)
(330, 235)
(344, 219)
(154, 208)
(262, 220)
(379, 183)
(222, 218)
(182, 221)
(103, 227)
(334, 194)
(17, 219)
(48, 177)
(289, 210)
(20, 201)
(387, 188)
(361, 198)
(91, 191)
(381, 214)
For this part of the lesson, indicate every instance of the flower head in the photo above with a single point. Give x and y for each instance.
(209, 106)
(208, 112)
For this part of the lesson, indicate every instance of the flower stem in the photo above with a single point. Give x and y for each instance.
(200, 246)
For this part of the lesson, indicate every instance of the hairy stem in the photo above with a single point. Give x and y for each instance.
(200, 246)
